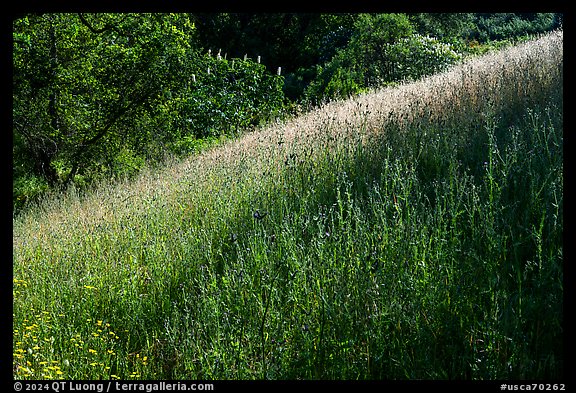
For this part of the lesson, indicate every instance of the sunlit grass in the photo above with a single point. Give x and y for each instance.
(413, 232)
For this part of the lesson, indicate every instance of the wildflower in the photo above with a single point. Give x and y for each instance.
(28, 370)
(259, 216)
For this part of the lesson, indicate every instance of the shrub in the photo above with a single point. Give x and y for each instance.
(414, 57)
(384, 51)
(218, 98)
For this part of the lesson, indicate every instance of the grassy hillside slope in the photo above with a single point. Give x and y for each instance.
(413, 232)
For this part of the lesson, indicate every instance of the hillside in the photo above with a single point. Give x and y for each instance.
(412, 232)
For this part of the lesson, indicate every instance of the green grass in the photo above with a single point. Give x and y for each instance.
(414, 232)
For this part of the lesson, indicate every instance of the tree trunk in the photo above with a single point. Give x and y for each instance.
(44, 153)
(44, 167)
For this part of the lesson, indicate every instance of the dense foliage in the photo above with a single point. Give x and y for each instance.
(102, 95)
(82, 85)
(384, 49)
(503, 26)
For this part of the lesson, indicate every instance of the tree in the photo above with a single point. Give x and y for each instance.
(383, 49)
(82, 82)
